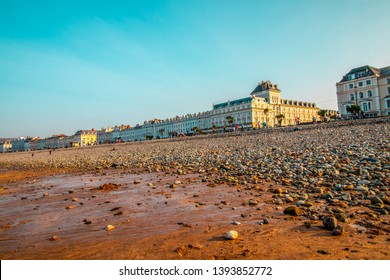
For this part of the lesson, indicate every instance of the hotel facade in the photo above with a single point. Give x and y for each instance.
(367, 87)
(262, 108)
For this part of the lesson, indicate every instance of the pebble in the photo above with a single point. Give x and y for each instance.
(338, 230)
(252, 202)
(109, 227)
(292, 210)
(231, 235)
(329, 222)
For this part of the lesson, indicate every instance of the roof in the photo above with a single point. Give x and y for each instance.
(232, 103)
(385, 71)
(265, 86)
(359, 72)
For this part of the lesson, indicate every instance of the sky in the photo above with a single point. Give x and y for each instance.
(71, 65)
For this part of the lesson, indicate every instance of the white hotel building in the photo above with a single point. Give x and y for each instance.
(262, 106)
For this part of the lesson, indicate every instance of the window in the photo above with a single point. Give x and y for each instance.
(388, 80)
(369, 93)
(388, 90)
(368, 82)
(361, 95)
(350, 86)
(387, 103)
(360, 84)
(351, 97)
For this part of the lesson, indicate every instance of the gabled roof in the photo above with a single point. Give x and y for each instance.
(363, 71)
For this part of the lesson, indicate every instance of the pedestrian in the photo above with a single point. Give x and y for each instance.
(32, 155)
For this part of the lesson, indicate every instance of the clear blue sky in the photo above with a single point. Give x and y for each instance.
(70, 65)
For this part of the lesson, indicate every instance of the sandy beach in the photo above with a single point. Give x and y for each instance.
(312, 192)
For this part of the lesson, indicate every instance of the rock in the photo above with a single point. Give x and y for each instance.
(341, 217)
(69, 207)
(338, 230)
(177, 182)
(136, 182)
(323, 252)
(329, 222)
(150, 185)
(53, 238)
(292, 210)
(327, 196)
(236, 223)
(361, 189)
(108, 187)
(300, 202)
(74, 199)
(109, 227)
(376, 200)
(252, 202)
(265, 221)
(231, 235)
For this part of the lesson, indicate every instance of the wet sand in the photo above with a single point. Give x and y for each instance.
(62, 213)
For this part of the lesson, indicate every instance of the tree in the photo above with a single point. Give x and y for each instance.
(230, 119)
(161, 131)
(266, 111)
(280, 118)
(354, 109)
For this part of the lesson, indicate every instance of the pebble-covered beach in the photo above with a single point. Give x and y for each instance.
(329, 179)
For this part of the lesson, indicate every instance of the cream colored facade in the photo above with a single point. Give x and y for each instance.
(367, 87)
(264, 107)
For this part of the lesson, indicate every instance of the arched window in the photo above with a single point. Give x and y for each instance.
(369, 93)
(361, 95)
(352, 97)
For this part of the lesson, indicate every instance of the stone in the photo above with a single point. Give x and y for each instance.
(53, 238)
(69, 207)
(361, 189)
(231, 235)
(236, 223)
(338, 230)
(292, 210)
(329, 222)
(252, 202)
(109, 227)
(376, 200)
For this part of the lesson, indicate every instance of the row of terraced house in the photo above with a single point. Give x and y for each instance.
(263, 108)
